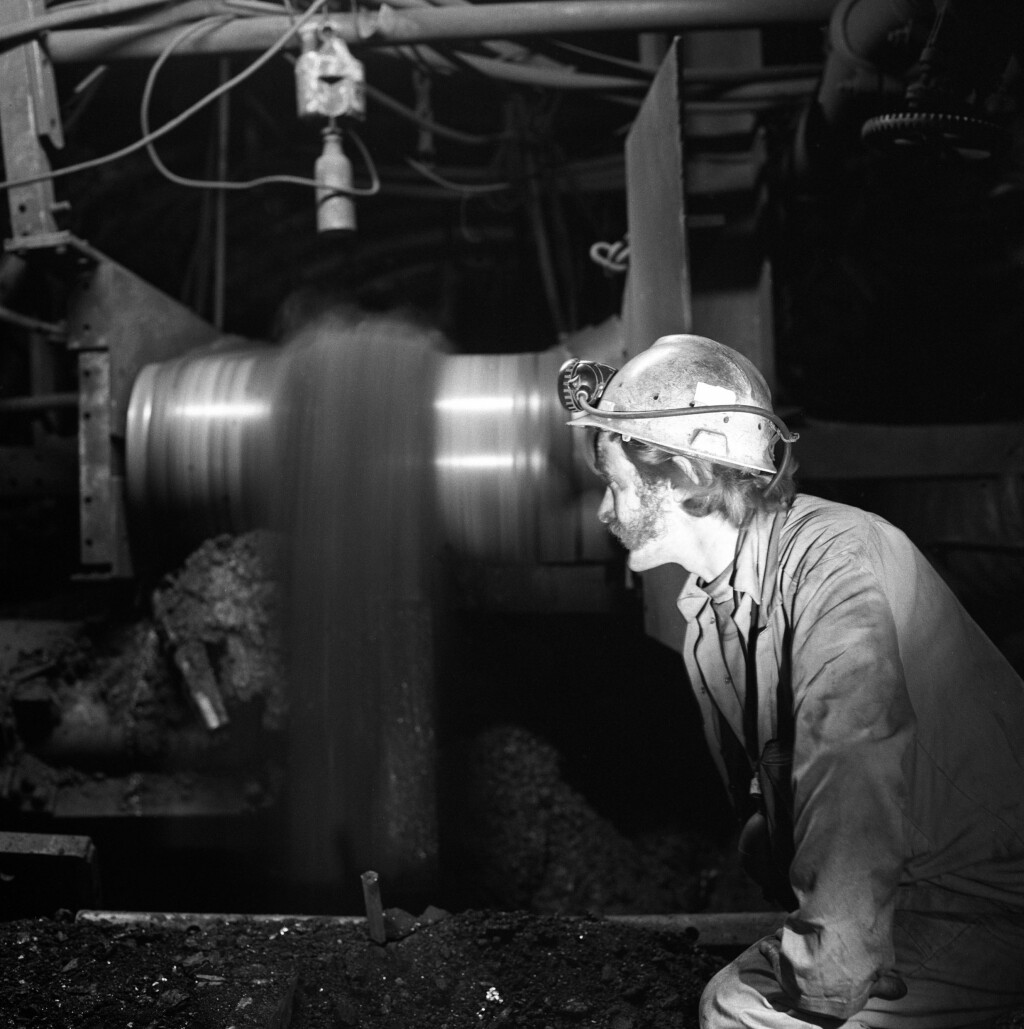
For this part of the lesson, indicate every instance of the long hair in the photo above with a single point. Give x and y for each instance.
(734, 493)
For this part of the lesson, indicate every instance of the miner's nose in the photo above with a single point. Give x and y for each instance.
(606, 512)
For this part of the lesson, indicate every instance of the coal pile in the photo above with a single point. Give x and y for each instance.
(124, 707)
(219, 618)
(528, 840)
(469, 969)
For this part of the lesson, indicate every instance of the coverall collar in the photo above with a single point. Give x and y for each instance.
(754, 569)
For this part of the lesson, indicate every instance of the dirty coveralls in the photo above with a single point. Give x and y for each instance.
(833, 635)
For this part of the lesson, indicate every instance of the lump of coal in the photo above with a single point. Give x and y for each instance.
(220, 616)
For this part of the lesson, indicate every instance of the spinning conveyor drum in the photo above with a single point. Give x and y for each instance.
(374, 453)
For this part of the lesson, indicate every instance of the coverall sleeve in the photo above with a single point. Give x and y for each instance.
(853, 729)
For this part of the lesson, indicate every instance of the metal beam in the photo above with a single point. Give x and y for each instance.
(28, 115)
(714, 929)
(390, 27)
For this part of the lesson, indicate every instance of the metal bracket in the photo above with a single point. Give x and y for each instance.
(116, 323)
(28, 115)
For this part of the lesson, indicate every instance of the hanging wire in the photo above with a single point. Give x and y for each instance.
(82, 97)
(257, 6)
(464, 189)
(264, 180)
(736, 76)
(619, 62)
(548, 77)
(551, 77)
(184, 116)
(455, 135)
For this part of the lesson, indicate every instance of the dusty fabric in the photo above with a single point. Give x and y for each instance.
(907, 729)
(958, 974)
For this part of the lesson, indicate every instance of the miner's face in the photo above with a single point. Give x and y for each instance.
(633, 509)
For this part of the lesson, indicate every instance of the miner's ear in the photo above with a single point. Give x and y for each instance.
(686, 470)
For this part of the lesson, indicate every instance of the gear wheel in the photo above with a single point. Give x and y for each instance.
(973, 138)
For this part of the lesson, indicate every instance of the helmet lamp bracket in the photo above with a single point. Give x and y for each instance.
(582, 382)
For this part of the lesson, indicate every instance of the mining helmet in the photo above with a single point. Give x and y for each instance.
(685, 394)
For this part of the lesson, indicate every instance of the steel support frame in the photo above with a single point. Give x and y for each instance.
(116, 322)
(28, 115)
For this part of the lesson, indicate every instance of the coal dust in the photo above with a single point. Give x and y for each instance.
(354, 493)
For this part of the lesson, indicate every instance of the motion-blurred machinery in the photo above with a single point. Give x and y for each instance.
(375, 450)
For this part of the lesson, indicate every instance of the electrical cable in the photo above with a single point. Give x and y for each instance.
(551, 78)
(754, 104)
(97, 73)
(787, 437)
(293, 180)
(146, 141)
(465, 189)
(618, 62)
(516, 69)
(455, 135)
(82, 96)
(261, 6)
(140, 144)
(516, 65)
(799, 88)
(505, 48)
(731, 76)
(503, 69)
(417, 58)
(675, 412)
(56, 330)
(565, 77)
(606, 171)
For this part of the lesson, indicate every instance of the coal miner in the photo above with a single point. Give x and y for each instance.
(870, 734)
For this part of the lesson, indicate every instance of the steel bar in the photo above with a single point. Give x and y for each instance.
(38, 402)
(49, 871)
(714, 929)
(28, 114)
(55, 329)
(374, 908)
(425, 25)
(202, 919)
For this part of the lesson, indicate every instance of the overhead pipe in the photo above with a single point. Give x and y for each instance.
(38, 402)
(55, 330)
(29, 28)
(389, 27)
